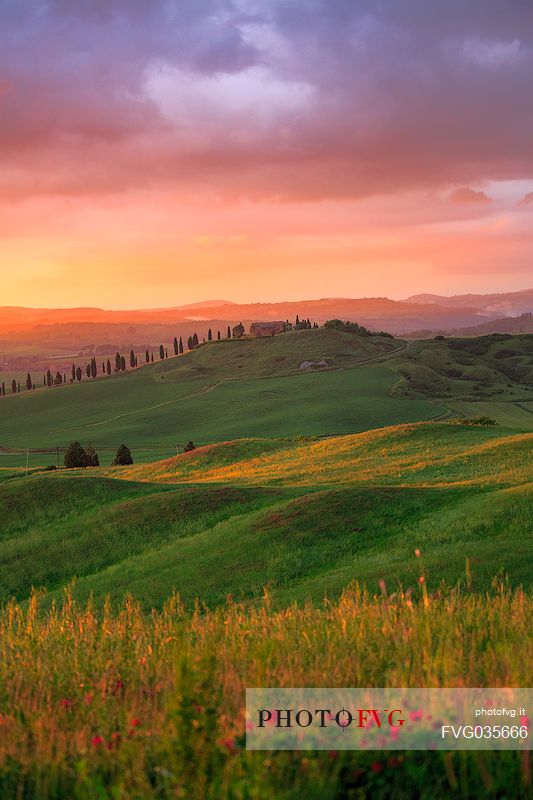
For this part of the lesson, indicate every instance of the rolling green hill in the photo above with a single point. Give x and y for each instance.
(303, 517)
(255, 387)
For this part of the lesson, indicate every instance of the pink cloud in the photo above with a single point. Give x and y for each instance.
(467, 196)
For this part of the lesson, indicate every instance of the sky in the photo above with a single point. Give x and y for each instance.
(160, 152)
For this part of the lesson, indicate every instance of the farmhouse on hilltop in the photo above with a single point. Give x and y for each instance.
(267, 328)
(238, 331)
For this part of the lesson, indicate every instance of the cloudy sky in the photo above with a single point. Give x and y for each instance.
(158, 152)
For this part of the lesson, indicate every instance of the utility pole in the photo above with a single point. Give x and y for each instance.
(27, 459)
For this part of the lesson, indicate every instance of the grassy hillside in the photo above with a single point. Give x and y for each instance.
(215, 393)
(245, 388)
(303, 517)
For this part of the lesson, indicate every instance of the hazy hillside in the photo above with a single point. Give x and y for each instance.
(506, 303)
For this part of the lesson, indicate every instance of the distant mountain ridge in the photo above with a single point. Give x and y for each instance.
(425, 312)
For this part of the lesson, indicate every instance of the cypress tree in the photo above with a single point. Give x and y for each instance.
(229, 333)
(94, 369)
(209, 335)
(91, 457)
(181, 345)
(75, 456)
(78, 373)
(189, 343)
(64, 377)
(108, 367)
(166, 353)
(73, 372)
(48, 378)
(147, 357)
(195, 340)
(14, 386)
(123, 457)
(152, 358)
(18, 386)
(29, 384)
(88, 370)
(176, 346)
(3, 389)
(161, 352)
(118, 362)
(122, 363)
(103, 367)
(218, 335)
(132, 358)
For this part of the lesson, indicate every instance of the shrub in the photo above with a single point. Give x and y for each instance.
(188, 447)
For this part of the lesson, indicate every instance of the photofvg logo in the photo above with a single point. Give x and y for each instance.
(304, 717)
(389, 719)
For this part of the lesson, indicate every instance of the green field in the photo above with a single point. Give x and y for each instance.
(308, 483)
(304, 518)
(244, 388)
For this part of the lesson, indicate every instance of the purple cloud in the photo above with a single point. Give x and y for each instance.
(264, 98)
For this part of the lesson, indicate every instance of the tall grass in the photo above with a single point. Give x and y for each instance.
(117, 704)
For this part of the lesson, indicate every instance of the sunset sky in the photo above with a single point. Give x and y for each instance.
(160, 152)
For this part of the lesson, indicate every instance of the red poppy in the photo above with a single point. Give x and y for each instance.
(96, 741)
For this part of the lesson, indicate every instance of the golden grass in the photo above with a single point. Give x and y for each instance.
(154, 706)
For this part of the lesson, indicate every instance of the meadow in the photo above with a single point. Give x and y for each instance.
(119, 704)
(328, 532)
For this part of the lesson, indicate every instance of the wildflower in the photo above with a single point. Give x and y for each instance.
(377, 766)
(97, 741)
(421, 579)
(135, 722)
(393, 761)
(229, 744)
(417, 553)
(66, 703)
(414, 716)
(88, 698)
(118, 687)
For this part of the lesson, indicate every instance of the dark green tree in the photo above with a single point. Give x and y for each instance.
(218, 335)
(161, 352)
(189, 343)
(132, 359)
(118, 362)
(147, 357)
(88, 370)
(209, 335)
(108, 367)
(188, 447)
(122, 363)
(29, 383)
(75, 456)
(123, 457)
(229, 333)
(48, 378)
(14, 386)
(181, 345)
(73, 372)
(176, 346)
(92, 457)
(78, 373)
(94, 369)
(195, 340)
